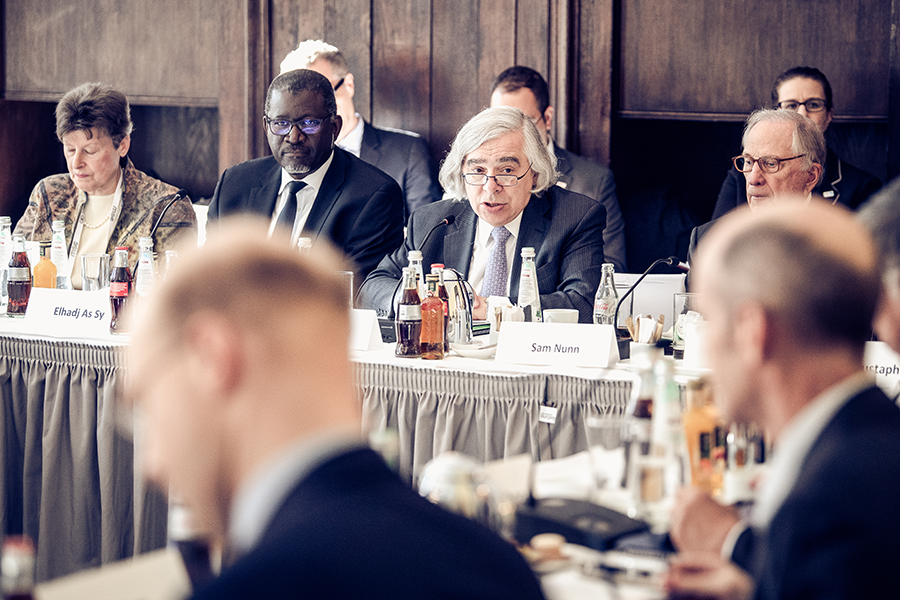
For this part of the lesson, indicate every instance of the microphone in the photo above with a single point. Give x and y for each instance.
(672, 261)
(448, 220)
(182, 193)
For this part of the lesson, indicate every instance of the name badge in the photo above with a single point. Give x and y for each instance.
(69, 314)
(571, 344)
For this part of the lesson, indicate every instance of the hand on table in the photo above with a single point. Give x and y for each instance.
(479, 308)
(699, 523)
(706, 575)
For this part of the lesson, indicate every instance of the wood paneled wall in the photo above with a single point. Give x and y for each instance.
(427, 66)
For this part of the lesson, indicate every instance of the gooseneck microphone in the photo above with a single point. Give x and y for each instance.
(182, 193)
(672, 261)
(448, 220)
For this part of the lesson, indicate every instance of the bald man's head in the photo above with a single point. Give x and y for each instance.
(813, 266)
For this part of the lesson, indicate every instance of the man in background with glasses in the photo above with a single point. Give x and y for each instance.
(310, 186)
(403, 155)
(782, 158)
(502, 177)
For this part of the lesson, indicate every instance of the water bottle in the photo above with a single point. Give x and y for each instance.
(59, 256)
(606, 299)
(145, 275)
(529, 294)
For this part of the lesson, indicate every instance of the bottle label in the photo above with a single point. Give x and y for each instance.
(19, 274)
(409, 312)
(118, 289)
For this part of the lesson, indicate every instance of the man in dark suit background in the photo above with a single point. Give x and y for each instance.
(499, 164)
(881, 215)
(525, 89)
(356, 206)
(403, 155)
(789, 292)
(241, 372)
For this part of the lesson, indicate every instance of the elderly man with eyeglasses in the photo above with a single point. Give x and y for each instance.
(308, 184)
(782, 161)
(501, 176)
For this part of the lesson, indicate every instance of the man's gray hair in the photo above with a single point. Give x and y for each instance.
(488, 125)
(881, 216)
(309, 51)
(808, 139)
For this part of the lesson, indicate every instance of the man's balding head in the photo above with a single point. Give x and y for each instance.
(810, 264)
(789, 292)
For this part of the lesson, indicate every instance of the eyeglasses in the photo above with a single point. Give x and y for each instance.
(502, 180)
(283, 126)
(812, 105)
(768, 164)
(341, 82)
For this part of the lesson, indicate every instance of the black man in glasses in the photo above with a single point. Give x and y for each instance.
(782, 158)
(401, 154)
(308, 184)
(502, 180)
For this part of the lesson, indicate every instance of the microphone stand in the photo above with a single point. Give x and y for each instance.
(672, 261)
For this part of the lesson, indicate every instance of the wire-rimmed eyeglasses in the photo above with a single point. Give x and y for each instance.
(768, 164)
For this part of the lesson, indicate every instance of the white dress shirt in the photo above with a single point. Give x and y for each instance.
(306, 197)
(481, 251)
(352, 142)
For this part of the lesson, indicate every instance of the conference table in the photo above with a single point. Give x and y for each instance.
(69, 477)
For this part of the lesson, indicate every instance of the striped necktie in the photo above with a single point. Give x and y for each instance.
(496, 272)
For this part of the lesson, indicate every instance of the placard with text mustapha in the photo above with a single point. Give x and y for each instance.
(572, 344)
(69, 314)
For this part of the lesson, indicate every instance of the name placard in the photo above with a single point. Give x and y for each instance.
(884, 364)
(68, 314)
(364, 331)
(572, 344)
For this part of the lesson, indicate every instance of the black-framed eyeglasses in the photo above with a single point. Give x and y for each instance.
(284, 126)
(812, 105)
(768, 164)
(504, 180)
(339, 84)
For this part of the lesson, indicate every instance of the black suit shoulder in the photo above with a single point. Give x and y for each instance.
(352, 529)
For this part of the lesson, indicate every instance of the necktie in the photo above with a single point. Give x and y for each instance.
(289, 213)
(496, 272)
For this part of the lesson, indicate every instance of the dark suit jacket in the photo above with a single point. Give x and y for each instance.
(842, 181)
(405, 157)
(564, 228)
(352, 530)
(359, 208)
(579, 174)
(837, 535)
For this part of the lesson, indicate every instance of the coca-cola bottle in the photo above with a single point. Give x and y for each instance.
(120, 289)
(433, 325)
(18, 282)
(409, 318)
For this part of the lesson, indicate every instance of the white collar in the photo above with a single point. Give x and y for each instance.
(795, 442)
(483, 232)
(312, 180)
(352, 142)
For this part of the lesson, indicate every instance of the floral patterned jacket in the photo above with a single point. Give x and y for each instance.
(56, 198)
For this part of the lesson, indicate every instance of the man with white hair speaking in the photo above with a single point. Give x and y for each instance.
(500, 166)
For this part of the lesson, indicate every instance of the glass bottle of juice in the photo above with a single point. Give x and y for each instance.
(432, 320)
(45, 270)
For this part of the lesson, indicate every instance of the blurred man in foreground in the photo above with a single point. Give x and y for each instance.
(241, 374)
(881, 215)
(789, 292)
